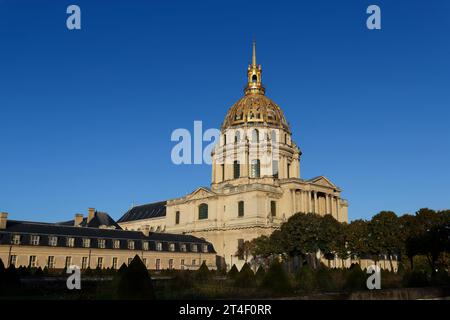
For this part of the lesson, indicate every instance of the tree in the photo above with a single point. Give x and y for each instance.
(383, 235)
(300, 235)
(135, 282)
(245, 250)
(331, 238)
(357, 235)
(202, 273)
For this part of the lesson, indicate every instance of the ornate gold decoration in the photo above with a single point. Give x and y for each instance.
(255, 107)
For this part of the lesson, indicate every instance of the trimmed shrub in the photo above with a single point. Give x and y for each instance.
(440, 278)
(417, 278)
(324, 279)
(202, 273)
(306, 280)
(135, 283)
(245, 278)
(356, 278)
(276, 279)
(233, 272)
(260, 273)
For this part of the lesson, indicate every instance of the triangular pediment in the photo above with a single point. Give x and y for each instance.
(200, 193)
(323, 181)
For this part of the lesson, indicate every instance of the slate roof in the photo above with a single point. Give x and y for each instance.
(26, 229)
(146, 211)
(99, 219)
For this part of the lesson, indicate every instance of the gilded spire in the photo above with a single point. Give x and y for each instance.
(254, 54)
(254, 85)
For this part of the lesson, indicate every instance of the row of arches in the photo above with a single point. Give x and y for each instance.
(255, 136)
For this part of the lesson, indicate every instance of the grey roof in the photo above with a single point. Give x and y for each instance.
(99, 219)
(25, 229)
(146, 211)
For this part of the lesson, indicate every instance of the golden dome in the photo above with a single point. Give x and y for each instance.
(255, 107)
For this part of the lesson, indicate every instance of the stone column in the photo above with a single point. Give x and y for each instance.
(337, 208)
(327, 204)
(315, 203)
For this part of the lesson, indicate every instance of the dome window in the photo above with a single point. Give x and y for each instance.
(254, 78)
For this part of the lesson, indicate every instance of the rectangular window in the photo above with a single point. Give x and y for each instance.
(114, 263)
(100, 262)
(240, 208)
(34, 240)
(86, 243)
(116, 244)
(159, 246)
(183, 247)
(194, 248)
(13, 260)
(182, 264)
(145, 245)
(240, 250)
(16, 239)
(205, 248)
(236, 169)
(170, 264)
(32, 262)
(131, 245)
(70, 242)
(84, 263)
(223, 171)
(275, 168)
(68, 261)
(53, 241)
(255, 169)
(194, 262)
(51, 262)
(172, 247)
(273, 208)
(288, 169)
(177, 217)
(101, 243)
(158, 264)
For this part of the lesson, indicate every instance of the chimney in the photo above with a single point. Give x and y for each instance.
(91, 214)
(78, 219)
(146, 230)
(3, 219)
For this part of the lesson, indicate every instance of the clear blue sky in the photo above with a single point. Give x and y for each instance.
(86, 116)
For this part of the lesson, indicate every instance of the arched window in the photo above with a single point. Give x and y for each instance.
(255, 168)
(254, 78)
(240, 208)
(255, 136)
(236, 169)
(203, 211)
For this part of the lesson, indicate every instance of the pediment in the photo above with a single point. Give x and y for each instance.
(323, 181)
(200, 193)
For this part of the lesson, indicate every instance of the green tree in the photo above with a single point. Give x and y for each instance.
(233, 272)
(357, 235)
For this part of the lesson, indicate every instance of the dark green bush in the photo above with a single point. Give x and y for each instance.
(417, 278)
(324, 279)
(203, 273)
(233, 272)
(356, 278)
(134, 283)
(276, 279)
(306, 279)
(440, 278)
(245, 278)
(260, 273)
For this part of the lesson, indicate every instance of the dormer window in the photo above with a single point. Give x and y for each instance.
(183, 247)
(194, 248)
(70, 242)
(86, 243)
(131, 245)
(145, 245)
(205, 248)
(159, 246)
(53, 241)
(16, 239)
(101, 243)
(34, 240)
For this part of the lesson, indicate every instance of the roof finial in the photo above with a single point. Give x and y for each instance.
(254, 54)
